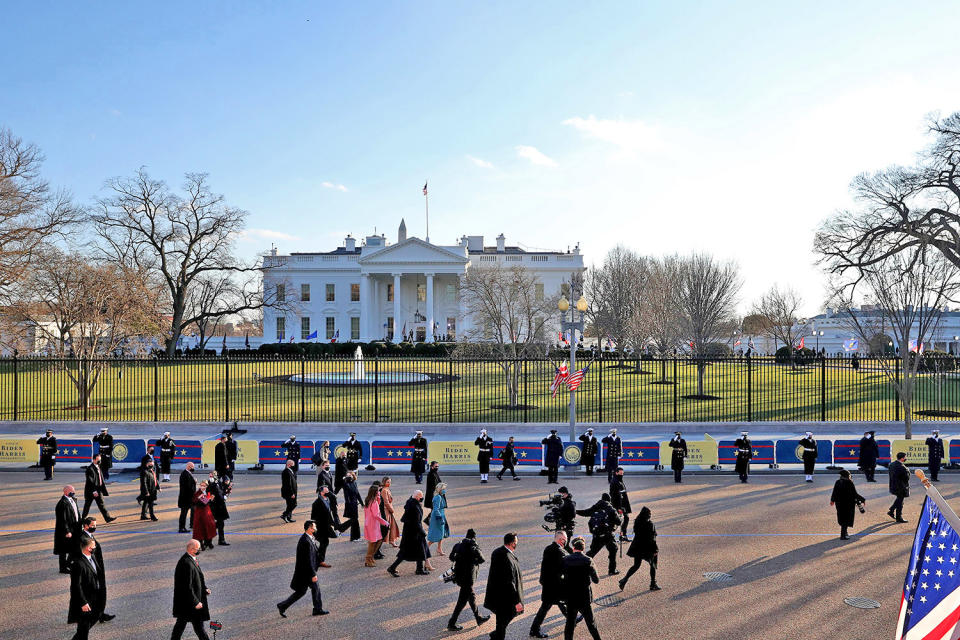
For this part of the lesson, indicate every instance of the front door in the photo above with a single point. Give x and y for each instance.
(421, 333)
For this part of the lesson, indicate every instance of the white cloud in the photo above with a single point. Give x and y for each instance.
(480, 162)
(535, 156)
(333, 185)
(630, 135)
(251, 235)
(116, 113)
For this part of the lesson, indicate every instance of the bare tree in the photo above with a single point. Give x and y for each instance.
(615, 290)
(508, 321)
(209, 302)
(30, 211)
(706, 294)
(780, 310)
(658, 314)
(180, 240)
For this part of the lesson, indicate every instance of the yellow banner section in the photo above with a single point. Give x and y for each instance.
(699, 452)
(20, 450)
(248, 452)
(917, 452)
(447, 453)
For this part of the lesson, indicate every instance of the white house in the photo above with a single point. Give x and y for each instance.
(377, 290)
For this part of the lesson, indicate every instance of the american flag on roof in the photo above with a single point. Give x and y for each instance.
(558, 378)
(574, 380)
(930, 602)
(424, 188)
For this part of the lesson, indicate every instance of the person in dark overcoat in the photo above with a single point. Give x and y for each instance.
(504, 594)
(217, 489)
(288, 491)
(508, 460)
(188, 487)
(588, 450)
(809, 445)
(551, 455)
(292, 447)
(48, 453)
(325, 525)
(744, 455)
(325, 479)
(433, 479)
(620, 500)
(869, 452)
(418, 460)
(305, 573)
(484, 452)
(677, 457)
(105, 440)
(614, 453)
(550, 572)
(66, 528)
(354, 452)
(85, 605)
(168, 451)
(220, 462)
(88, 529)
(935, 455)
(413, 539)
(352, 502)
(899, 482)
(579, 576)
(340, 471)
(148, 491)
(94, 489)
(466, 558)
(230, 448)
(190, 593)
(643, 547)
(845, 498)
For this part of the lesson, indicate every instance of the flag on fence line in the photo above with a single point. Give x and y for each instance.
(291, 338)
(574, 380)
(558, 378)
(930, 600)
(246, 340)
(914, 348)
(737, 343)
(563, 338)
(336, 336)
(609, 343)
(313, 335)
(851, 345)
(750, 344)
(800, 346)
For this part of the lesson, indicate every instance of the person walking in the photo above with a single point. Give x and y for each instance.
(88, 527)
(677, 457)
(413, 539)
(643, 547)
(324, 525)
(204, 526)
(551, 455)
(292, 448)
(188, 487)
(149, 490)
(351, 507)
(340, 471)
(305, 573)
(372, 523)
(809, 445)
(614, 450)
(418, 460)
(288, 491)
(325, 479)
(190, 605)
(604, 520)
(579, 576)
(466, 558)
(935, 455)
(869, 452)
(85, 604)
(230, 449)
(550, 572)
(845, 498)
(744, 455)
(48, 453)
(168, 451)
(321, 455)
(392, 529)
(66, 528)
(218, 489)
(105, 442)
(221, 463)
(484, 452)
(899, 481)
(94, 489)
(439, 528)
(589, 450)
(504, 594)
(508, 460)
(433, 479)
(620, 500)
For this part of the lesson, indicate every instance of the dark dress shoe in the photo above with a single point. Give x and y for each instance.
(422, 572)
(183, 531)
(900, 520)
(320, 612)
(393, 572)
(223, 543)
(454, 627)
(154, 518)
(378, 556)
(622, 584)
(107, 617)
(654, 586)
(482, 619)
(282, 611)
(615, 572)
(890, 513)
(144, 518)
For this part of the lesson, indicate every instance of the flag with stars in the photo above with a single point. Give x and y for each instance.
(574, 380)
(558, 378)
(930, 602)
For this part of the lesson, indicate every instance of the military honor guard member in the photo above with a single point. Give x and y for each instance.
(105, 440)
(935, 455)
(508, 460)
(418, 459)
(589, 450)
(292, 447)
(744, 455)
(614, 452)
(504, 595)
(354, 451)
(677, 456)
(190, 593)
(869, 452)
(305, 573)
(168, 451)
(552, 454)
(48, 453)
(484, 452)
(66, 527)
(809, 444)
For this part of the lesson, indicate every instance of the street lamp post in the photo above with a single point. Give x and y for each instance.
(573, 325)
(818, 334)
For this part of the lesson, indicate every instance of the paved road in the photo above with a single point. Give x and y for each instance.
(777, 537)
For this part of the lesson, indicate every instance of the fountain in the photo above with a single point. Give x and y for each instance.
(359, 376)
(358, 364)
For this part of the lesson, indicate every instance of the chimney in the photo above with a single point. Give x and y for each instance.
(402, 231)
(501, 243)
(273, 250)
(475, 243)
(350, 243)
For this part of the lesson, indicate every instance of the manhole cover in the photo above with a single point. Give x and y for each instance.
(610, 600)
(717, 576)
(862, 603)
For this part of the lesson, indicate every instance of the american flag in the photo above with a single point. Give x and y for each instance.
(336, 336)
(800, 346)
(930, 602)
(563, 337)
(558, 378)
(574, 380)
(424, 188)
(914, 348)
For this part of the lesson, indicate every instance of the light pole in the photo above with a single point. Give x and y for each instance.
(818, 334)
(573, 325)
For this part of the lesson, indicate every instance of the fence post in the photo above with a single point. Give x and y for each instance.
(896, 392)
(749, 389)
(823, 389)
(226, 388)
(600, 390)
(526, 397)
(376, 388)
(303, 388)
(156, 388)
(83, 383)
(16, 405)
(676, 390)
(450, 389)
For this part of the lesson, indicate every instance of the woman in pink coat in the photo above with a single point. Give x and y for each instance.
(372, 521)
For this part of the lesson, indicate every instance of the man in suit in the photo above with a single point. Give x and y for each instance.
(899, 479)
(934, 455)
(579, 576)
(614, 451)
(869, 452)
(288, 490)
(94, 490)
(217, 488)
(188, 487)
(148, 491)
(85, 604)
(620, 500)
(66, 527)
(679, 454)
(550, 572)
(190, 593)
(48, 453)
(292, 448)
(305, 573)
(466, 558)
(105, 440)
(413, 539)
(588, 450)
(168, 451)
(323, 524)
(433, 479)
(325, 479)
(220, 462)
(504, 595)
(230, 450)
(551, 456)
(418, 461)
(340, 471)
(508, 458)
(88, 527)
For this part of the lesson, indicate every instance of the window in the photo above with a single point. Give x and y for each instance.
(538, 291)
(281, 292)
(281, 328)
(305, 293)
(304, 328)
(331, 293)
(451, 329)
(422, 292)
(331, 326)
(354, 328)
(389, 293)
(390, 328)
(354, 293)
(451, 292)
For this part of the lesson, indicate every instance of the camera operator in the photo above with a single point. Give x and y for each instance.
(567, 512)
(604, 520)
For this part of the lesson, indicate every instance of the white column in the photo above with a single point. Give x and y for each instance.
(430, 328)
(365, 307)
(375, 327)
(397, 325)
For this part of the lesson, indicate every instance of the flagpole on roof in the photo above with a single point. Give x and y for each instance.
(426, 204)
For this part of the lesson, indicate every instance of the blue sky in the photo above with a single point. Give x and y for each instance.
(721, 126)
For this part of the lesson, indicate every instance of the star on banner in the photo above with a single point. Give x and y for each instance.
(277, 452)
(523, 454)
(74, 452)
(389, 454)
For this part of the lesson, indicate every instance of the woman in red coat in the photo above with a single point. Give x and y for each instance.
(204, 526)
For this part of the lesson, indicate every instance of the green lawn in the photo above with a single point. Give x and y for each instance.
(198, 391)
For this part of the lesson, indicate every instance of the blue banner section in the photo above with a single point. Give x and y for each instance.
(336, 445)
(954, 450)
(790, 452)
(571, 454)
(639, 453)
(392, 452)
(187, 451)
(763, 452)
(128, 451)
(273, 452)
(847, 452)
(74, 450)
(529, 454)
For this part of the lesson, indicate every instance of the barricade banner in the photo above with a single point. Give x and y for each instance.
(337, 448)
(763, 452)
(74, 451)
(790, 452)
(248, 452)
(917, 452)
(847, 452)
(392, 452)
(128, 452)
(529, 453)
(186, 451)
(703, 453)
(954, 449)
(273, 452)
(452, 452)
(640, 453)
(19, 451)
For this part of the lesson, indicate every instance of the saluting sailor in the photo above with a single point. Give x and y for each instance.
(809, 445)
(744, 454)
(485, 451)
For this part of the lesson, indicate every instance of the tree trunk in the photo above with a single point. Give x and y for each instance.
(701, 368)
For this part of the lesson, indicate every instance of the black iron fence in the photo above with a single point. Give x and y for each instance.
(415, 390)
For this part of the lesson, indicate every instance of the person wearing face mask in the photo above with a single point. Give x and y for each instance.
(484, 452)
(188, 486)
(293, 452)
(413, 539)
(679, 446)
(217, 489)
(354, 450)
(288, 491)
(934, 455)
(85, 604)
(325, 479)
(148, 491)
(614, 451)
(190, 593)
(439, 528)
(508, 458)
(66, 527)
(643, 547)
(94, 489)
(869, 452)
(305, 573)
(588, 450)
(418, 461)
(88, 527)
(809, 445)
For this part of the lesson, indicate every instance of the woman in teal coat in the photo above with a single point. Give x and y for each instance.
(439, 529)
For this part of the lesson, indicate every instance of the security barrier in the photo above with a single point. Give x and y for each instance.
(790, 451)
(640, 453)
(529, 453)
(273, 452)
(847, 452)
(702, 453)
(391, 452)
(186, 451)
(74, 450)
(763, 452)
(248, 452)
